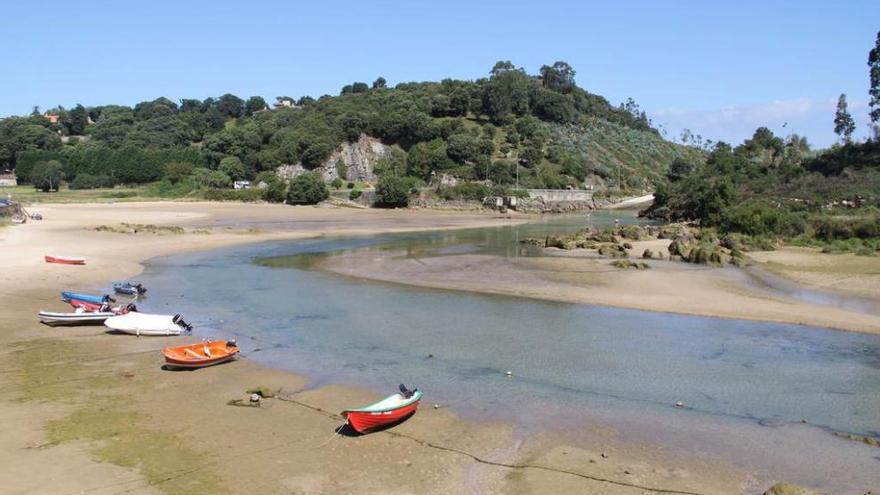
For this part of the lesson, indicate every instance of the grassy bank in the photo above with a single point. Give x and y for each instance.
(149, 192)
(27, 194)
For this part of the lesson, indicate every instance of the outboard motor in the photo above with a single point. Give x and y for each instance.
(179, 321)
(140, 288)
(231, 343)
(107, 298)
(130, 307)
(406, 392)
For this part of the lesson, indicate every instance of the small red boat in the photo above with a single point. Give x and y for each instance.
(65, 260)
(387, 411)
(91, 307)
(200, 355)
(87, 306)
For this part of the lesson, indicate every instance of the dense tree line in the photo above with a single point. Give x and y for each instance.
(770, 187)
(483, 129)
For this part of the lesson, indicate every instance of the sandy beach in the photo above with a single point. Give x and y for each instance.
(95, 413)
(668, 286)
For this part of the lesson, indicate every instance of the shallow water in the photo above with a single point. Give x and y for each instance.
(746, 385)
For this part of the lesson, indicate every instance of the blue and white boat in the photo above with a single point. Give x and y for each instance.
(79, 296)
(129, 288)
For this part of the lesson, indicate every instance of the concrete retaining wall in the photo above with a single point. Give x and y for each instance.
(561, 195)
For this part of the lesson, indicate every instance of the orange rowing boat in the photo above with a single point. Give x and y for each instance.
(200, 355)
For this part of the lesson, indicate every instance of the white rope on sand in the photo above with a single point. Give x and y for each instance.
(335, 434)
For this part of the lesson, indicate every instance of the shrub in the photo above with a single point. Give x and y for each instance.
(46, 176)
(267, 176)
(165, 189)
(355, 194)
(275, 191)
(233, 194)
(469, 190)
(392, 192)
(613, 250)
(761, 219)
(337, 183)
(27, 160)
(307, 189)
(341, 169)
(203, 177)
(175, 172)
(89, 181)
(232, 166)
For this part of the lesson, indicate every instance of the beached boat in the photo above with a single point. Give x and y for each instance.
(147, 324)
(65, 260)
(387, 411)
(200, 355)
(89, 298)
(101, 308)
(129, 288)
(76, 318)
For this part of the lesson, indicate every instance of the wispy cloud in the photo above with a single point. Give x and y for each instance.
(808, 117)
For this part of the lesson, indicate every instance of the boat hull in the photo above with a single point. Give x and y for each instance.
(200, 355)
(146, 325)
(64, 260)
(79, 296)
(84, 305)
(58, 319)
(128, 289)
(367, 421)
(201, 364)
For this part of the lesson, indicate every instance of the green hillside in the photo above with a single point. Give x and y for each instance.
(541, 128)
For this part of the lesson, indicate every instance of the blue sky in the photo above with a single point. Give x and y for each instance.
(719, 69)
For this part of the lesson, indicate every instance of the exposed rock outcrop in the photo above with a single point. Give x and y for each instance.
(358, 160)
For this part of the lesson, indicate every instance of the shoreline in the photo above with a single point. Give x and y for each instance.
(712, 292)
(136, 379)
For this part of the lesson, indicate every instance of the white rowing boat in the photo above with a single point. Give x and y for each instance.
(147, 324)
(77, 318)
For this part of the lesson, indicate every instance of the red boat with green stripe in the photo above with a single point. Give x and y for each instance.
(387, 411)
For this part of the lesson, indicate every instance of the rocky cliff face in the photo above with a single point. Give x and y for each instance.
(358, 158)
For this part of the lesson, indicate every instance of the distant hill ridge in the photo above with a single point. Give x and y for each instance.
(540, 130)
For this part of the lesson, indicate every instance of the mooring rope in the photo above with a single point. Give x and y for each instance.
(488, 462)
(171, 476)
(336, 432)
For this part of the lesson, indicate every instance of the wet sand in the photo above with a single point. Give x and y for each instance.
(90, 412)
(582, 277)
(846, 274)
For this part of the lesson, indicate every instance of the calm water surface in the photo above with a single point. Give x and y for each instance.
(746, 385)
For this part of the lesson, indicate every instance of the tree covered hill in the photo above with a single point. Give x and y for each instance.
(768, 189)
(543, 128)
